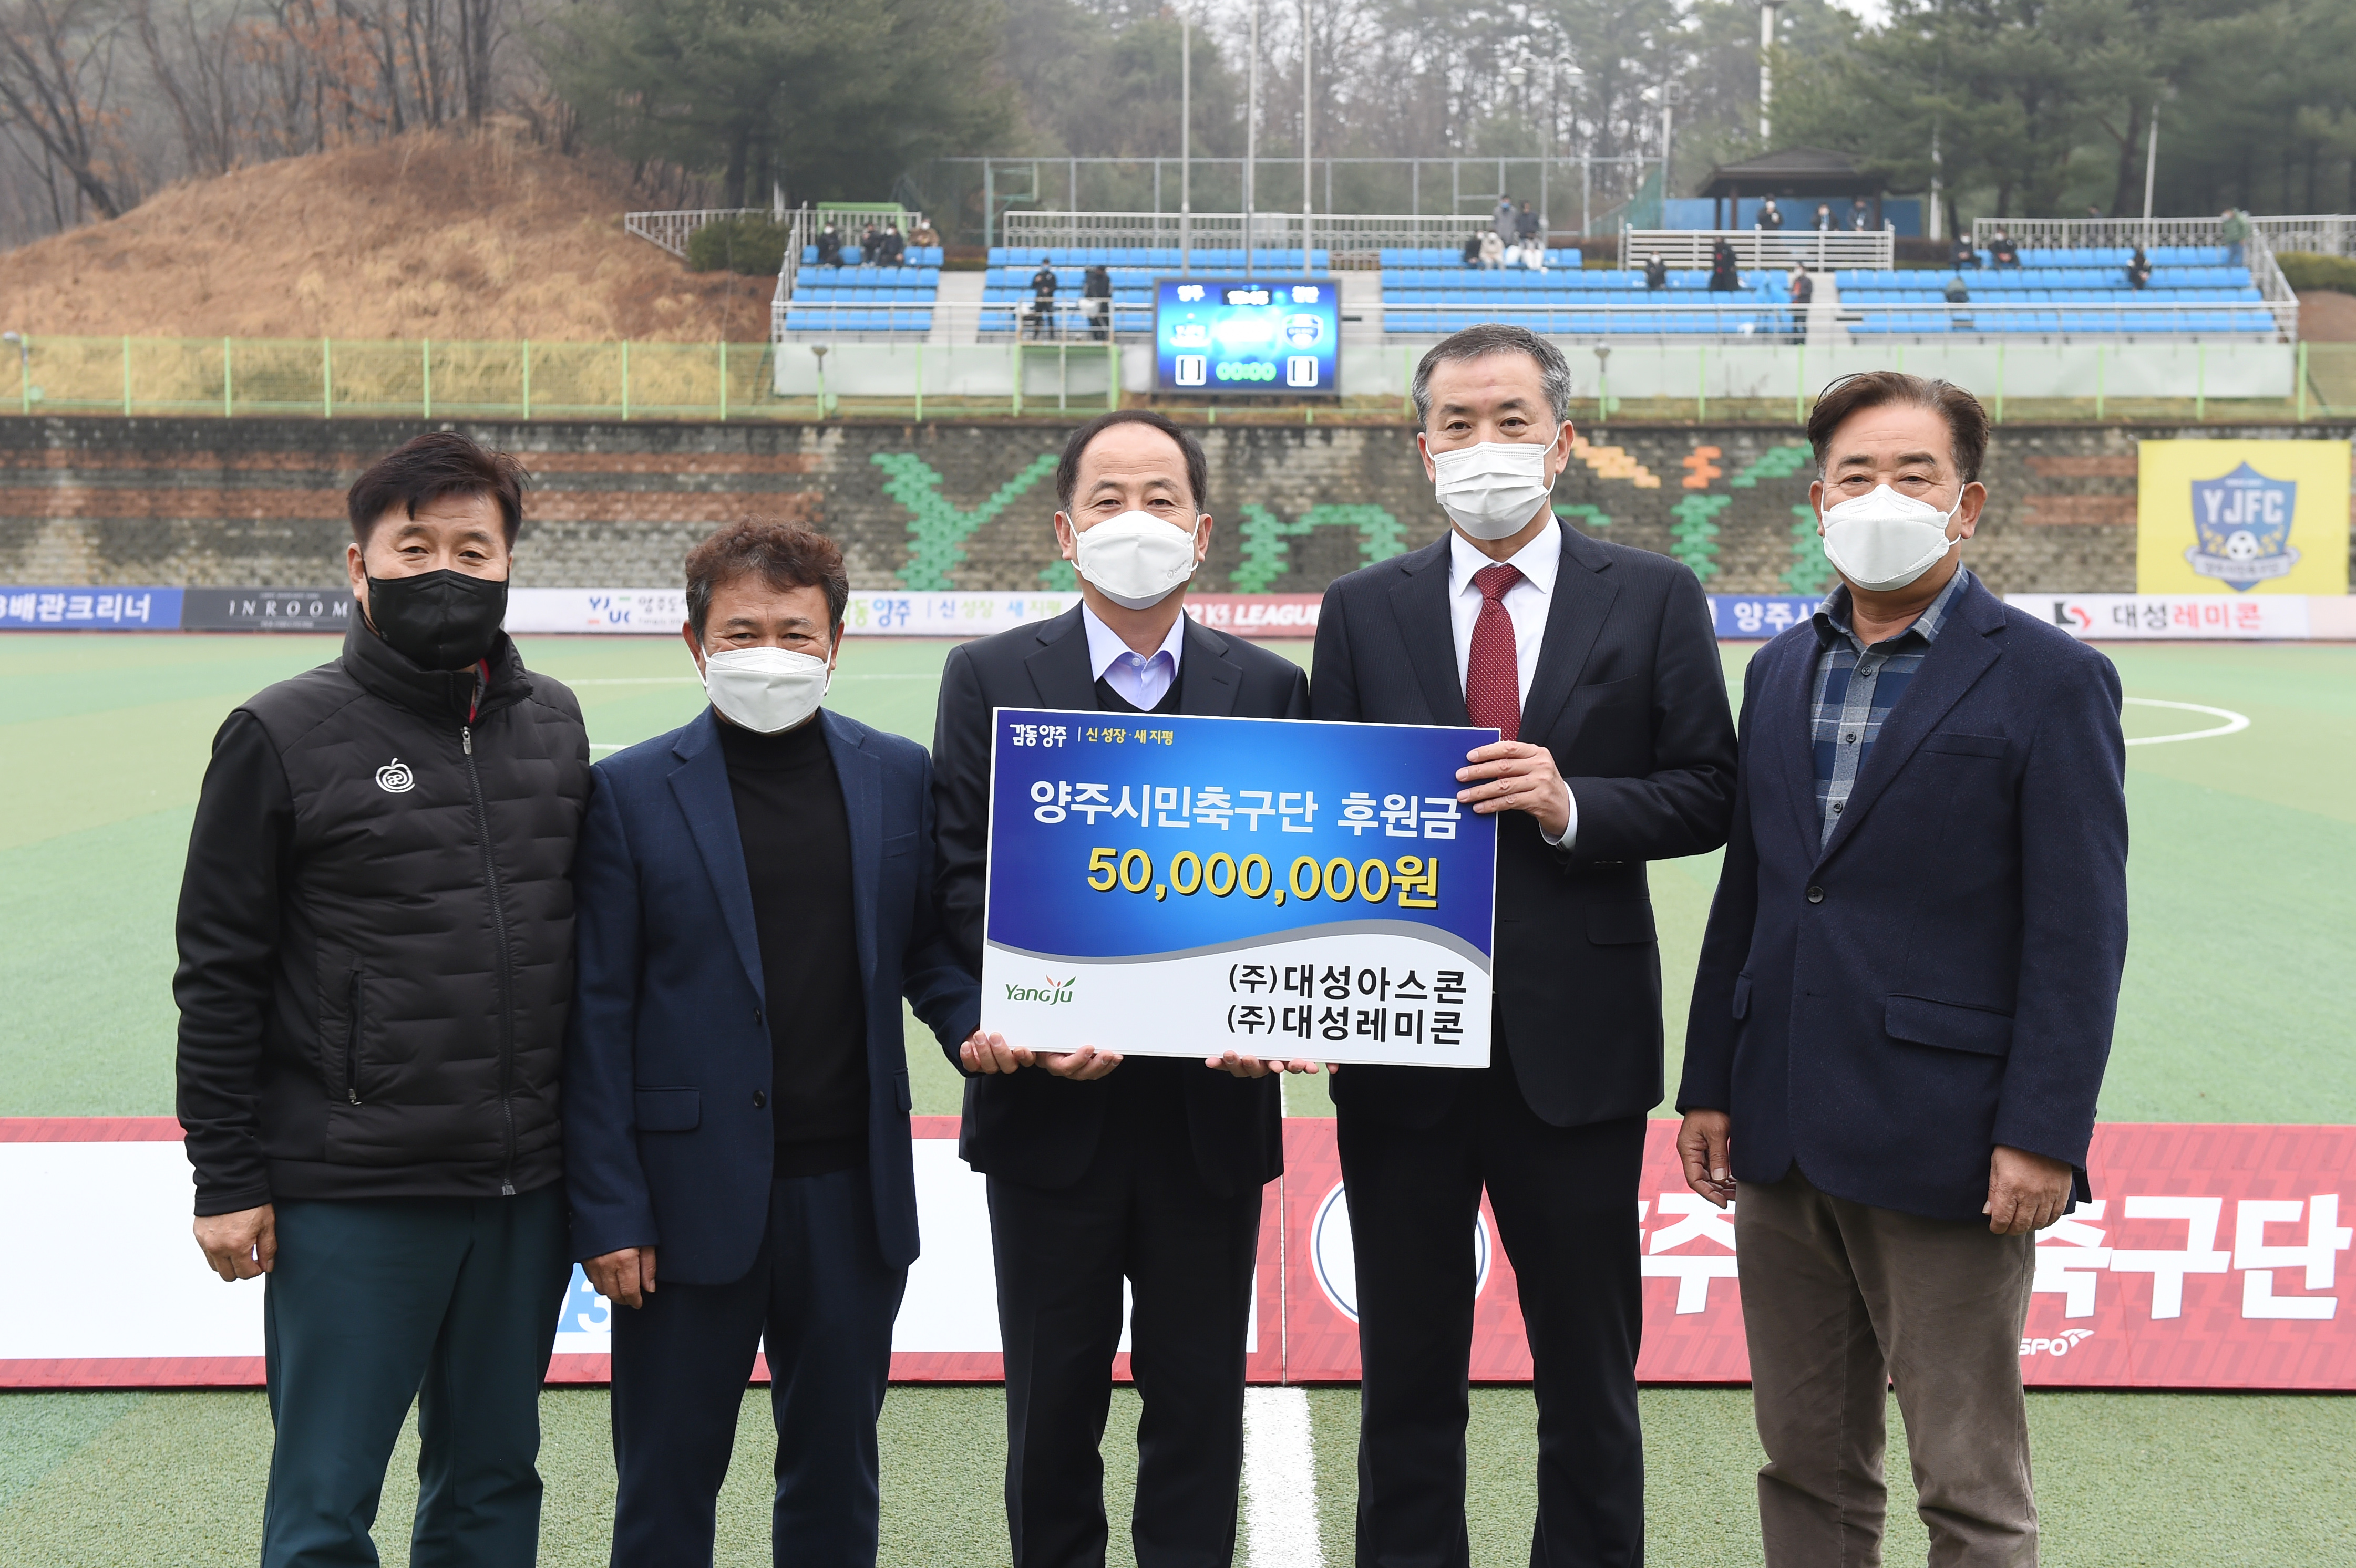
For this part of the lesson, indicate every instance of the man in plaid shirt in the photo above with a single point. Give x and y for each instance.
(1906, 994)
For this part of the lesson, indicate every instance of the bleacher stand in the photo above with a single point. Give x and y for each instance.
(1007, 294)
(1566, 300)
(2075, 285)
(863, 296)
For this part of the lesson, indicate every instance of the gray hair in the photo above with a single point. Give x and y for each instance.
(1495, 337)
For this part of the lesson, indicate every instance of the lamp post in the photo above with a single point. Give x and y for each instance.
(1251, 134)
(1186, 145)
(1305, 208)
(1766, 70)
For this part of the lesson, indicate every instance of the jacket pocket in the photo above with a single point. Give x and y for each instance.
(352, 1038)
(899, 844)
(1742, 996)
(1619, 925)
(667, 1110)
(1956, 743)
(1948, 1026)
(907, 1097)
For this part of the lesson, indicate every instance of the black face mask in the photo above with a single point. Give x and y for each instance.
(440, 620)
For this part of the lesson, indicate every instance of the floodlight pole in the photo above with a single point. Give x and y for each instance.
(1766, 70)
(1305, 208)
(2150, 167)
(1251, 135)
(1186, 145)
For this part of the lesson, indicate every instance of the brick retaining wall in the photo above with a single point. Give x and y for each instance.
(259, 502)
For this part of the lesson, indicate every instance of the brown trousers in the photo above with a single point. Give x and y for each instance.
(1839, 1301)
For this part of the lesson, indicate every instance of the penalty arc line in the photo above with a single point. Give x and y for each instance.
(2234, 722)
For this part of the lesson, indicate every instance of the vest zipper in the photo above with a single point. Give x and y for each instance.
(352, 1046)
(505, 971)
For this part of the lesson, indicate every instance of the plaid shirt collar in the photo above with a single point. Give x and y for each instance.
(1832, 616)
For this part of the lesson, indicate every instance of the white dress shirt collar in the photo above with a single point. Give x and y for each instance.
(1538, 560)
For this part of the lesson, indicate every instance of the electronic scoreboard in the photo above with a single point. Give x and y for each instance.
(1256, 336)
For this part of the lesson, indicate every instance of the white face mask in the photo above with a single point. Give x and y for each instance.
(765, 690)
(1136, 559)
(1886, 540)
(1492, 490)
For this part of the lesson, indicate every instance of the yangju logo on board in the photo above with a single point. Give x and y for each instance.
(2243, 524)
(1050, 995)
(394, 777)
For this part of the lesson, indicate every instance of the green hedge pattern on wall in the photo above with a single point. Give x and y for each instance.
(1570, 512)
(938, 531)
(1693, 537)
(1267, 552)
(1809, 572)
(1775, 463)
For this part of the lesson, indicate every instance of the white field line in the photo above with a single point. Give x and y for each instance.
(2234, 722)
(1280, 1479)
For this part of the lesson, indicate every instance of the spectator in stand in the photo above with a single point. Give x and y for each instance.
(1492, 251)
(924, 235)
(1770, 217)
(1473, 248)
(894, 246)
(1966, 254)
(1860, 218)
(1724, 277)
(1502, 222)
(1096, 289)
(1656, 272)
(1824, 223)
(2138, 270)
(2094, 212)
(2233, 228)
(2002, 252)
(1803, 294)
(1043, 301)
(871, 241)
(1956, 292)
(1530, 231)
(830, 246)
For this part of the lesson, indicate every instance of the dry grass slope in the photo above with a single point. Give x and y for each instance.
(435, 235)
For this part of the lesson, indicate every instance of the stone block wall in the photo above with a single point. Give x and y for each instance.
(945, 506)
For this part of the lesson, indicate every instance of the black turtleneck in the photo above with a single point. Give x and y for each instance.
(796, 839)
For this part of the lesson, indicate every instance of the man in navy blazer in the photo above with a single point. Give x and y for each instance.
(755, 897)
(1906, 994)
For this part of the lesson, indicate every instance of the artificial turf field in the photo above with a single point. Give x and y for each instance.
(2235, 1008)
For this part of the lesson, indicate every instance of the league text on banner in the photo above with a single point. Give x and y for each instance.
(1168, 885)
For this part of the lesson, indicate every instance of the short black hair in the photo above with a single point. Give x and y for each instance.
(425, 468)
(780, 551)
(1068, 471)
(1967, 422)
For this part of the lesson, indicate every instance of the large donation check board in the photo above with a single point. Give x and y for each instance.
(1169, 885)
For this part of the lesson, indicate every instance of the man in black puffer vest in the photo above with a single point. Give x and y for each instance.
(376, 958)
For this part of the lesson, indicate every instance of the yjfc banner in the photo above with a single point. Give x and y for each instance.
(2241, 518)
(1172, 885)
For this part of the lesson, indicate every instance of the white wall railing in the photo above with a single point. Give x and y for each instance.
(1682, 319)
(1820, 250)
(1356, 241)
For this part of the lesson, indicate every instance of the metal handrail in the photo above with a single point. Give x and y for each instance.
(1820, 249)
(670, 229)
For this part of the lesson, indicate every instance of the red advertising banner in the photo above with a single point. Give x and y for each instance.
(2210, 1258)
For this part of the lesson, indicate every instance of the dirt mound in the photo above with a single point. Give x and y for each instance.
(435, 235)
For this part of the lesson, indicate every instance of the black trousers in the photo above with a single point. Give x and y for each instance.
(820, 1300)
(1565, 1200)
(1143, 1212)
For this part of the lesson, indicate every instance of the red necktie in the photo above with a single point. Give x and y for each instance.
(1493, 681)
